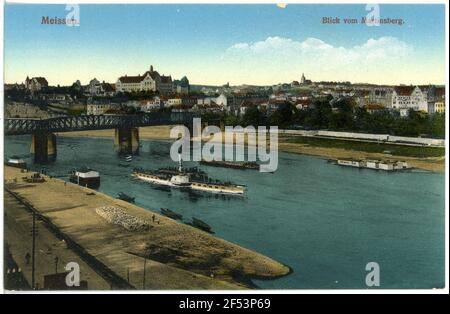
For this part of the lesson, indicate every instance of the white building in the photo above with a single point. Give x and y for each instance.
(97, 88)
(171, 102)
(99, 109)
(153, 104)
(149, 81)
(204, 101)
(58, 98)
(409, 97)
(221, 100)
(381, 95)
(92, 88)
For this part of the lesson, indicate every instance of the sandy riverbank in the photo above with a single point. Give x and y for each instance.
(436, 164)
(145, 133)
(179, 256)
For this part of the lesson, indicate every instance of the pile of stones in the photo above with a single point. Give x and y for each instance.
(118, 216)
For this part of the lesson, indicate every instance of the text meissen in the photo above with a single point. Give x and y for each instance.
(58, 21)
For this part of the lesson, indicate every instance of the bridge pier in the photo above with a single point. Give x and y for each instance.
(43, 147)
(126, 140)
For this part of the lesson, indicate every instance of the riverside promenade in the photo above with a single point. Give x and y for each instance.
(169, 255)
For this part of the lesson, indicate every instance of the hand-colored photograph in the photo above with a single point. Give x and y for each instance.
(224, 147)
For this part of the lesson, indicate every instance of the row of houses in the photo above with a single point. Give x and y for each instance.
(430, 99)
(424, 98)
(151, 80)
(403, 98)
(236, 104)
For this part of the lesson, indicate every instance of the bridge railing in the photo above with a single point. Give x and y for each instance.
(17, 126)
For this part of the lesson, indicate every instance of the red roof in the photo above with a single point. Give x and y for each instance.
(439, 92)
(404, 90)
(131, 79)
(374, 107)
(166, 79)
(41, 80)
(108, 87)
(153, 74)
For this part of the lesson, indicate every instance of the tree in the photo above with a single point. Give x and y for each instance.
(253, 116)
(284, 116)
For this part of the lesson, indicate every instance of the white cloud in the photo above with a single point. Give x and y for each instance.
(319, 51)
(320, 59)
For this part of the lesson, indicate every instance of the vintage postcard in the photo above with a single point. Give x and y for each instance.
(213, 146)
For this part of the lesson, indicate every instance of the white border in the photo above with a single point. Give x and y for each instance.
(187, 292)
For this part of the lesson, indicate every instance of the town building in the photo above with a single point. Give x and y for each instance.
(189, 101)
(57, 98)
(92, 88)
(35, 84)
(172, 102)
(409, 97)
(436, 99)
(381, 96)
(436, 107)
(77, 86)
(149, 81)
(99, 108)
(95, 88)
(151, 105)
(181, 86)
(304, 81)
(374, 108)
(14, 86)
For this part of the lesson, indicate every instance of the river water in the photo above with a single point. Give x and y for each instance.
(326, 222)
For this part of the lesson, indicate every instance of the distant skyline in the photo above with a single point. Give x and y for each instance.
(216, 44)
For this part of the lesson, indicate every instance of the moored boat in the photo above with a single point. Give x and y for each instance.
(16, 162)
(386, 165)
(200, 224)
(231, 164)
(85, 177)
(125, 197)
(171, 214)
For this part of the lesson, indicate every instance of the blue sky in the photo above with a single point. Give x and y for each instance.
(214, 44)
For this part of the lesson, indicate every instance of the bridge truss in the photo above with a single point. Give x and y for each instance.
(20, 126)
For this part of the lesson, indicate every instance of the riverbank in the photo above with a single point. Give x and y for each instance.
(311, 146)
(178, 256)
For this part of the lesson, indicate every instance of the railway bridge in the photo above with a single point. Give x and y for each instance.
(126, 139)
